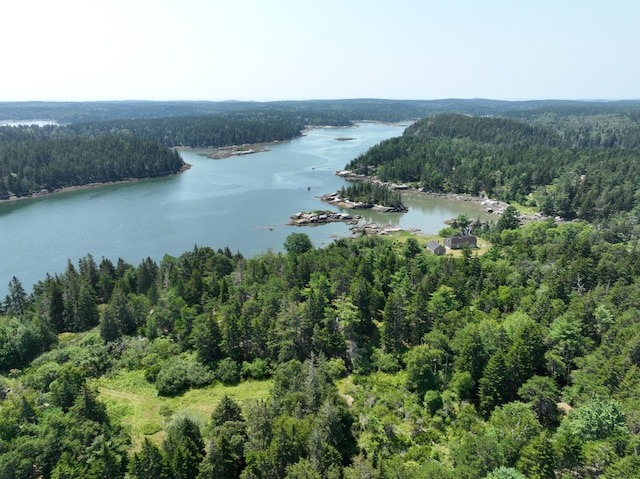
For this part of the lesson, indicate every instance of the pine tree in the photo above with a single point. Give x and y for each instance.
(494, 384)
(149, 463)
(184, 448)
(538, 458)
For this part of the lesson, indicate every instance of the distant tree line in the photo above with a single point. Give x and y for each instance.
(48, 158)
(542, 154)
(317, 111)
(202, 131)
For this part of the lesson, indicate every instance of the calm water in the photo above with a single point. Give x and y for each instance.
(243, 202)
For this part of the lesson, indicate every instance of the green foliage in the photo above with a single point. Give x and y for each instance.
(419, 366)
(449, 366)
(256, 369)
(560, 165)
(149, 463)
(33, 159)
(494, 390)
(176, 375)
(505, 473)
(370, 194)
(384, 362)
(184, 448)
(297, 243)
(509, 219)
(597, 419)
(228, 371)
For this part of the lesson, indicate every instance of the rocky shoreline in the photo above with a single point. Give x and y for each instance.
(336, 200)
(491, 206)
(323, 217)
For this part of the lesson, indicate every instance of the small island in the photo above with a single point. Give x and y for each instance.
(366, 195)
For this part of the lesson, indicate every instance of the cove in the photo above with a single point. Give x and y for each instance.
(243, 202)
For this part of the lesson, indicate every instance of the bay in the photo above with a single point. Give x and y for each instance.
(242, 202)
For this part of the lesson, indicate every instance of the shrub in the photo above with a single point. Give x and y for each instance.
(172, 378)
(257, 369)
(384, 362)
(228, 372)
(336, 368)
(177, 375)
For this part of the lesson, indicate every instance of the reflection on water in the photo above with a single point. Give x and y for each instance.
(241, 202)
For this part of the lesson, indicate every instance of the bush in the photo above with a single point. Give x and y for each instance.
(150, 428)
(177, 375)
(228, 372)
(172, 378)
(257, 369)
(336, 368)
(384, 362)
(151, 364)
(432, 401)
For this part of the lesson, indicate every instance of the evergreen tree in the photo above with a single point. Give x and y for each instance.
(538, 458)
(494, 384)
(149, 463)
(394, 331)
(16, 300)
(184, 448)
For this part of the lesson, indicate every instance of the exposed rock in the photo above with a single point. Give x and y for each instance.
(320, 217)
(337, 200)
(375, 229)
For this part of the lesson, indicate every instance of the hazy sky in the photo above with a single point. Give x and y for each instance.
(329, 49)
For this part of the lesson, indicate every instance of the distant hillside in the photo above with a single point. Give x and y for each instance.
(574, 166)
(352, 109)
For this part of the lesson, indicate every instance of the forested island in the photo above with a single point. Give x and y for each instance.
(367, 195)
(370, 357)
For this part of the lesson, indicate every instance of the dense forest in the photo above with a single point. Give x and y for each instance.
(204, 131)
(368, 358)
(33, 159)
(382, 360)
(105, 141)
(111, 141)
(576, 167)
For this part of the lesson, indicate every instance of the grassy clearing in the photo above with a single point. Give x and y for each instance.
(135, 402)
(423, 240)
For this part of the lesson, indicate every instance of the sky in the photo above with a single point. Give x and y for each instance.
(265, 50)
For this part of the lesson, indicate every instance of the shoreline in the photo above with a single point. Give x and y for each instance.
(492, 206)
(86, 186)
(224, 152)
(336, 200)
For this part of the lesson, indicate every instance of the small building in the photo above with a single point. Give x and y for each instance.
(436, 248)
(459, 242)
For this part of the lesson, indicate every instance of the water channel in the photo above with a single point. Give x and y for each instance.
(243, 202)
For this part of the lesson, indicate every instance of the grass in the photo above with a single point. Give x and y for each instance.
(423, 240)
(135, 402)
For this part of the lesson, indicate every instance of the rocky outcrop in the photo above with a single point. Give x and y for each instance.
(351, 176)
(337, 200)
(321, 217)
(374, 229)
